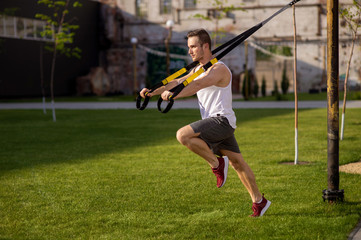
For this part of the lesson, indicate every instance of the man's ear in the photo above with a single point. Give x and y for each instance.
(205, 46)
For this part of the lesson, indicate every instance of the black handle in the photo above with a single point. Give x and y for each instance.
(145, 103)
(168, 107)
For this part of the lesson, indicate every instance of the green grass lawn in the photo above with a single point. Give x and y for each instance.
(322, 96)
(118, 98)
(121, 174)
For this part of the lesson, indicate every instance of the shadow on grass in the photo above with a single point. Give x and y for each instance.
(30, 138)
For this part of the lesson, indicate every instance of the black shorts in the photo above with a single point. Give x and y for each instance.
(217, 133)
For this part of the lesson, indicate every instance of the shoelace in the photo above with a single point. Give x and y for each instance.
(217, 173)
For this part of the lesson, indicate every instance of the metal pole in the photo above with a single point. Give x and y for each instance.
(134, 42)
(246, 87)
(295, 82)
(332, 194)
(167, 40)
(135, 68)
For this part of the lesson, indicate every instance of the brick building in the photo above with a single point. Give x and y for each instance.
(143, 19)
(111, 64)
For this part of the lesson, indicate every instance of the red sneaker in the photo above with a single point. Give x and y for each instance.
(221, 171)
(260, 208)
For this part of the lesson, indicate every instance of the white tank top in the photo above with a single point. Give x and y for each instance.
(217, 101)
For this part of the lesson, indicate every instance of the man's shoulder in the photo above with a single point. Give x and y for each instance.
(222, 73)
(222, 67)
(221, 63)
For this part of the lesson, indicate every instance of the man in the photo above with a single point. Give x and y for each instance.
(214, 134)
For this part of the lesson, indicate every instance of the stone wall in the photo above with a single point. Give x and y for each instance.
(120, 70)
(120, 24)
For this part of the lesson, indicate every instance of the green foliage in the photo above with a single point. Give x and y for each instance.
(59, 27)
(263, 87)
(352, 16)
(221, 33)
(252, 85)
(201, 16)
(157, 68)
(261, 56)
(255, 88)
(45, 18)
(246, 86)
(275, 91)
(9, 11)
(275, 49)
(223, 8)
(280, 50)
(357, 96)
(77, 4)
(322, 96)
(220, 10)
(285, 83)
(61, 32)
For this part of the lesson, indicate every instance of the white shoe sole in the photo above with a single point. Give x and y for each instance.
(265, 208)
(226, 162)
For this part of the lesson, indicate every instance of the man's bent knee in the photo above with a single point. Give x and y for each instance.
(184, 134)
(181, 137)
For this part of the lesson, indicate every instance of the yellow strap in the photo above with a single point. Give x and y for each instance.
(174, 76)
(196, 74)
(214, 60)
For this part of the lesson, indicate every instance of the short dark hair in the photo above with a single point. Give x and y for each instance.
(202, 35)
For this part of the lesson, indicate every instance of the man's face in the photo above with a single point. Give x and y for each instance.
(196, 51)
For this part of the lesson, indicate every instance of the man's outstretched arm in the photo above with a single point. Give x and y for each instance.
(216, 76)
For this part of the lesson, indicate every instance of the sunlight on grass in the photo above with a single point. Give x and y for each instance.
(121, 174)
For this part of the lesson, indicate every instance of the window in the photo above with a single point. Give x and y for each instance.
(165, 6)
(188, 4)
(23, 28)
(141, 8)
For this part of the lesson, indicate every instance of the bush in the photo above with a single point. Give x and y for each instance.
(275, 91)
(255, 88)
(356, 96)
(285, 83)
(263, 87)
(247, 94)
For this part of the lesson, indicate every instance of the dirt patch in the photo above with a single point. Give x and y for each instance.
(351, 168)
(354, 168)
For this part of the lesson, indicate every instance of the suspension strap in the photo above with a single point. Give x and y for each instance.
(176, 90)
(181, 72)
(233, 43)
(163, 83)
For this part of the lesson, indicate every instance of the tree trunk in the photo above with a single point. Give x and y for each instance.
(42, 77)
(295, 82)
(345, 86)
(54, 60)
(52, 82)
